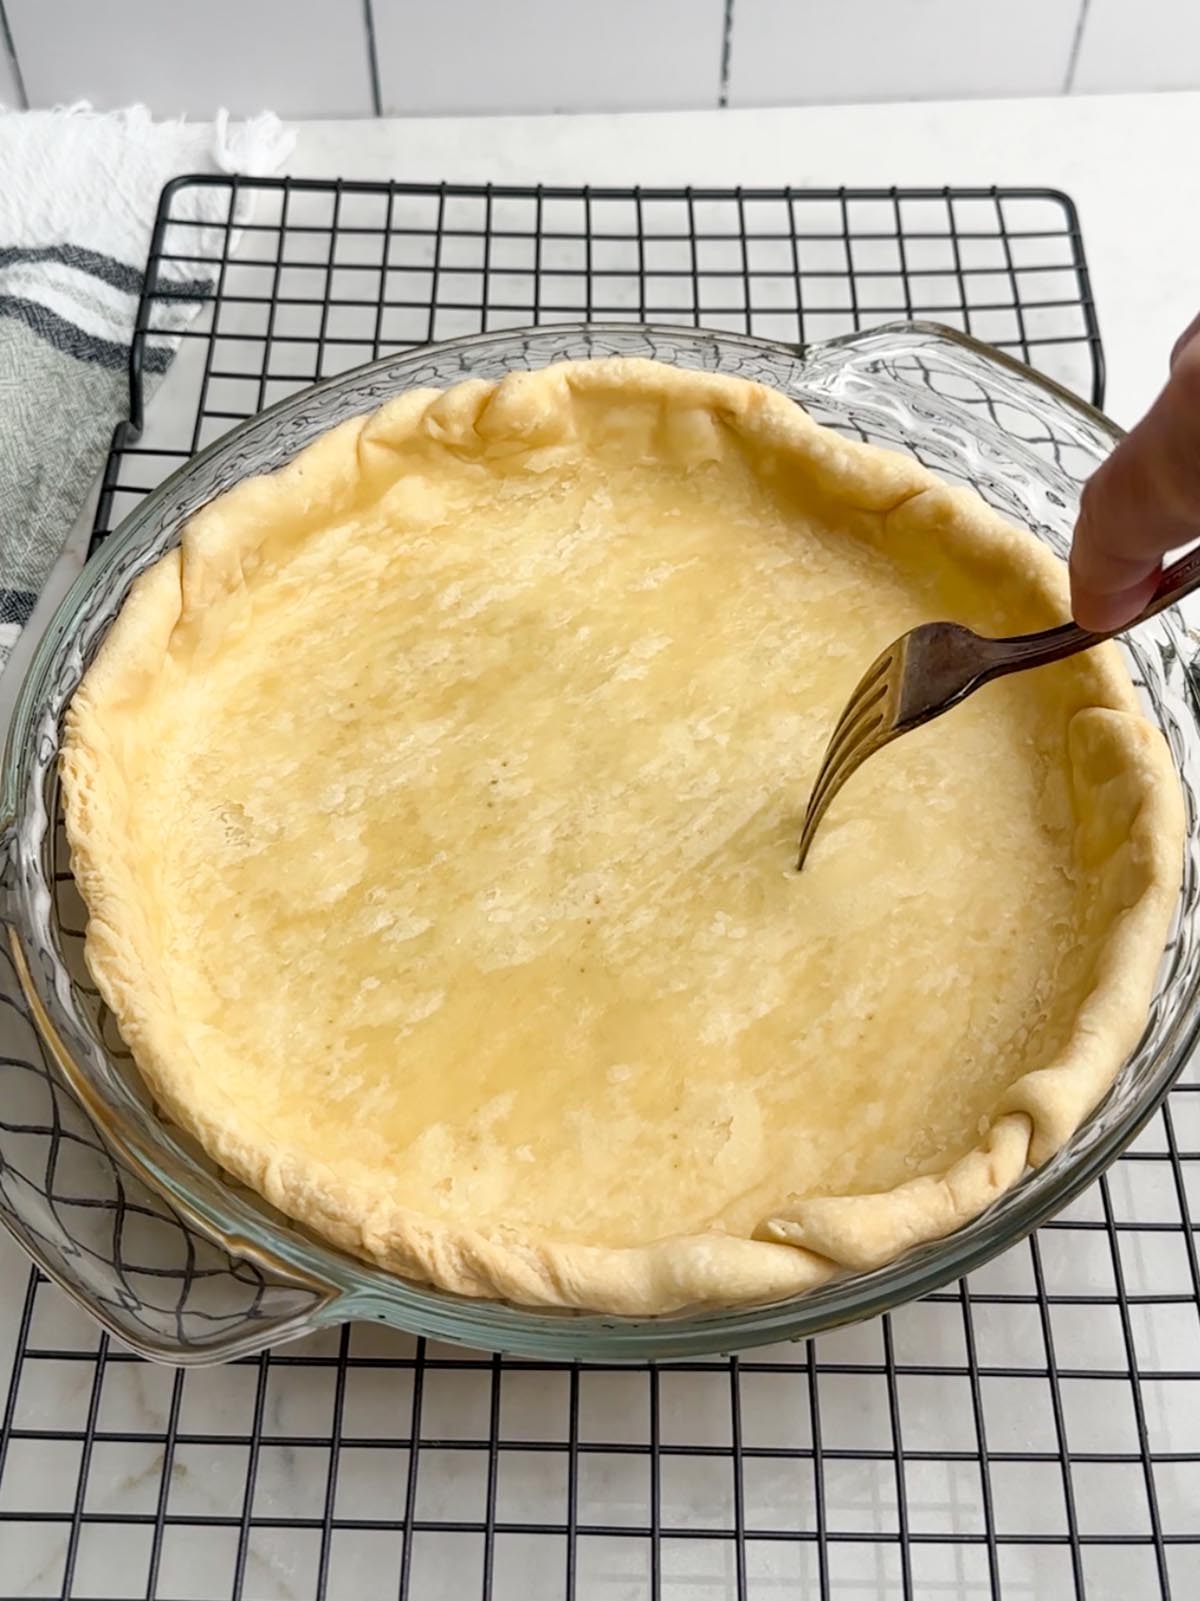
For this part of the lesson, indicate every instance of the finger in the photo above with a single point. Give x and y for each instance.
(1118, 535)
(1109, 590)
(1119, 542)
(1143, 501)
(1105, 612)
(1185, 339)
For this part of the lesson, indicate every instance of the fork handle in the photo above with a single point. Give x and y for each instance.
(1014, 654)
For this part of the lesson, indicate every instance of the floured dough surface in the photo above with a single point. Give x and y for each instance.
(437, 812)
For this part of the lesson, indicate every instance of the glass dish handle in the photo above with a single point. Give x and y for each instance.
(77, 1191)
(999, 412)
(995, 411)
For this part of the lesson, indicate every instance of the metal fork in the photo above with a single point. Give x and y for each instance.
(935, 666)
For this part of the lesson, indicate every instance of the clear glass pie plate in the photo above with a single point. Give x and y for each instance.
(135, 1223)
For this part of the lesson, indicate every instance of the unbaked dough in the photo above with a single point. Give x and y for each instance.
(436, 806)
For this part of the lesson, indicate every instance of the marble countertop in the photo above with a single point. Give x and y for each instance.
(1129, 163)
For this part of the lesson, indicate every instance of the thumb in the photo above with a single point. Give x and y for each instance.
(1141, 503)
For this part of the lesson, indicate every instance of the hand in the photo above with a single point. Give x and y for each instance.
(1142, 502)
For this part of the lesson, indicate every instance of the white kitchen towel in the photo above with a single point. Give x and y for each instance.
(78, 195)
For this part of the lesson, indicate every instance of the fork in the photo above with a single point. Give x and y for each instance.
(935, 666)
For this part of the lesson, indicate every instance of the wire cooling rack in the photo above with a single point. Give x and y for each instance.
(1032, 1434)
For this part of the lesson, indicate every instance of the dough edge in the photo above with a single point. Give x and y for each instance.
(795, 1250)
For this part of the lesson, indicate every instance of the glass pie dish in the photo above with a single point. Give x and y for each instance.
(125, 1211)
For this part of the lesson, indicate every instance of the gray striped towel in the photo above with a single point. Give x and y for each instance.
(77, 206)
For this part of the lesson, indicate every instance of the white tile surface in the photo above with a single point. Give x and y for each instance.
(1152, 45)
(809, 52)
(475, 56)
(300, 58)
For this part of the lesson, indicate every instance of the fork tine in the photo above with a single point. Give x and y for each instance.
(863, 713)
(859, 718)
(855, 737)
(832, 779)
(877, 670)
(812, 821)
(846, 759)
(835, 770)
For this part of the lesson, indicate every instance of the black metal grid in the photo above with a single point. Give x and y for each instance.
(327, 276)
(1034, 1432)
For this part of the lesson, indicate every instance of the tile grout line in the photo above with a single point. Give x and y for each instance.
(372, 57)
(726, 55)
(11, 51)
(1076, 45)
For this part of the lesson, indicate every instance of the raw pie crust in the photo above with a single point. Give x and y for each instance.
(436, 805)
